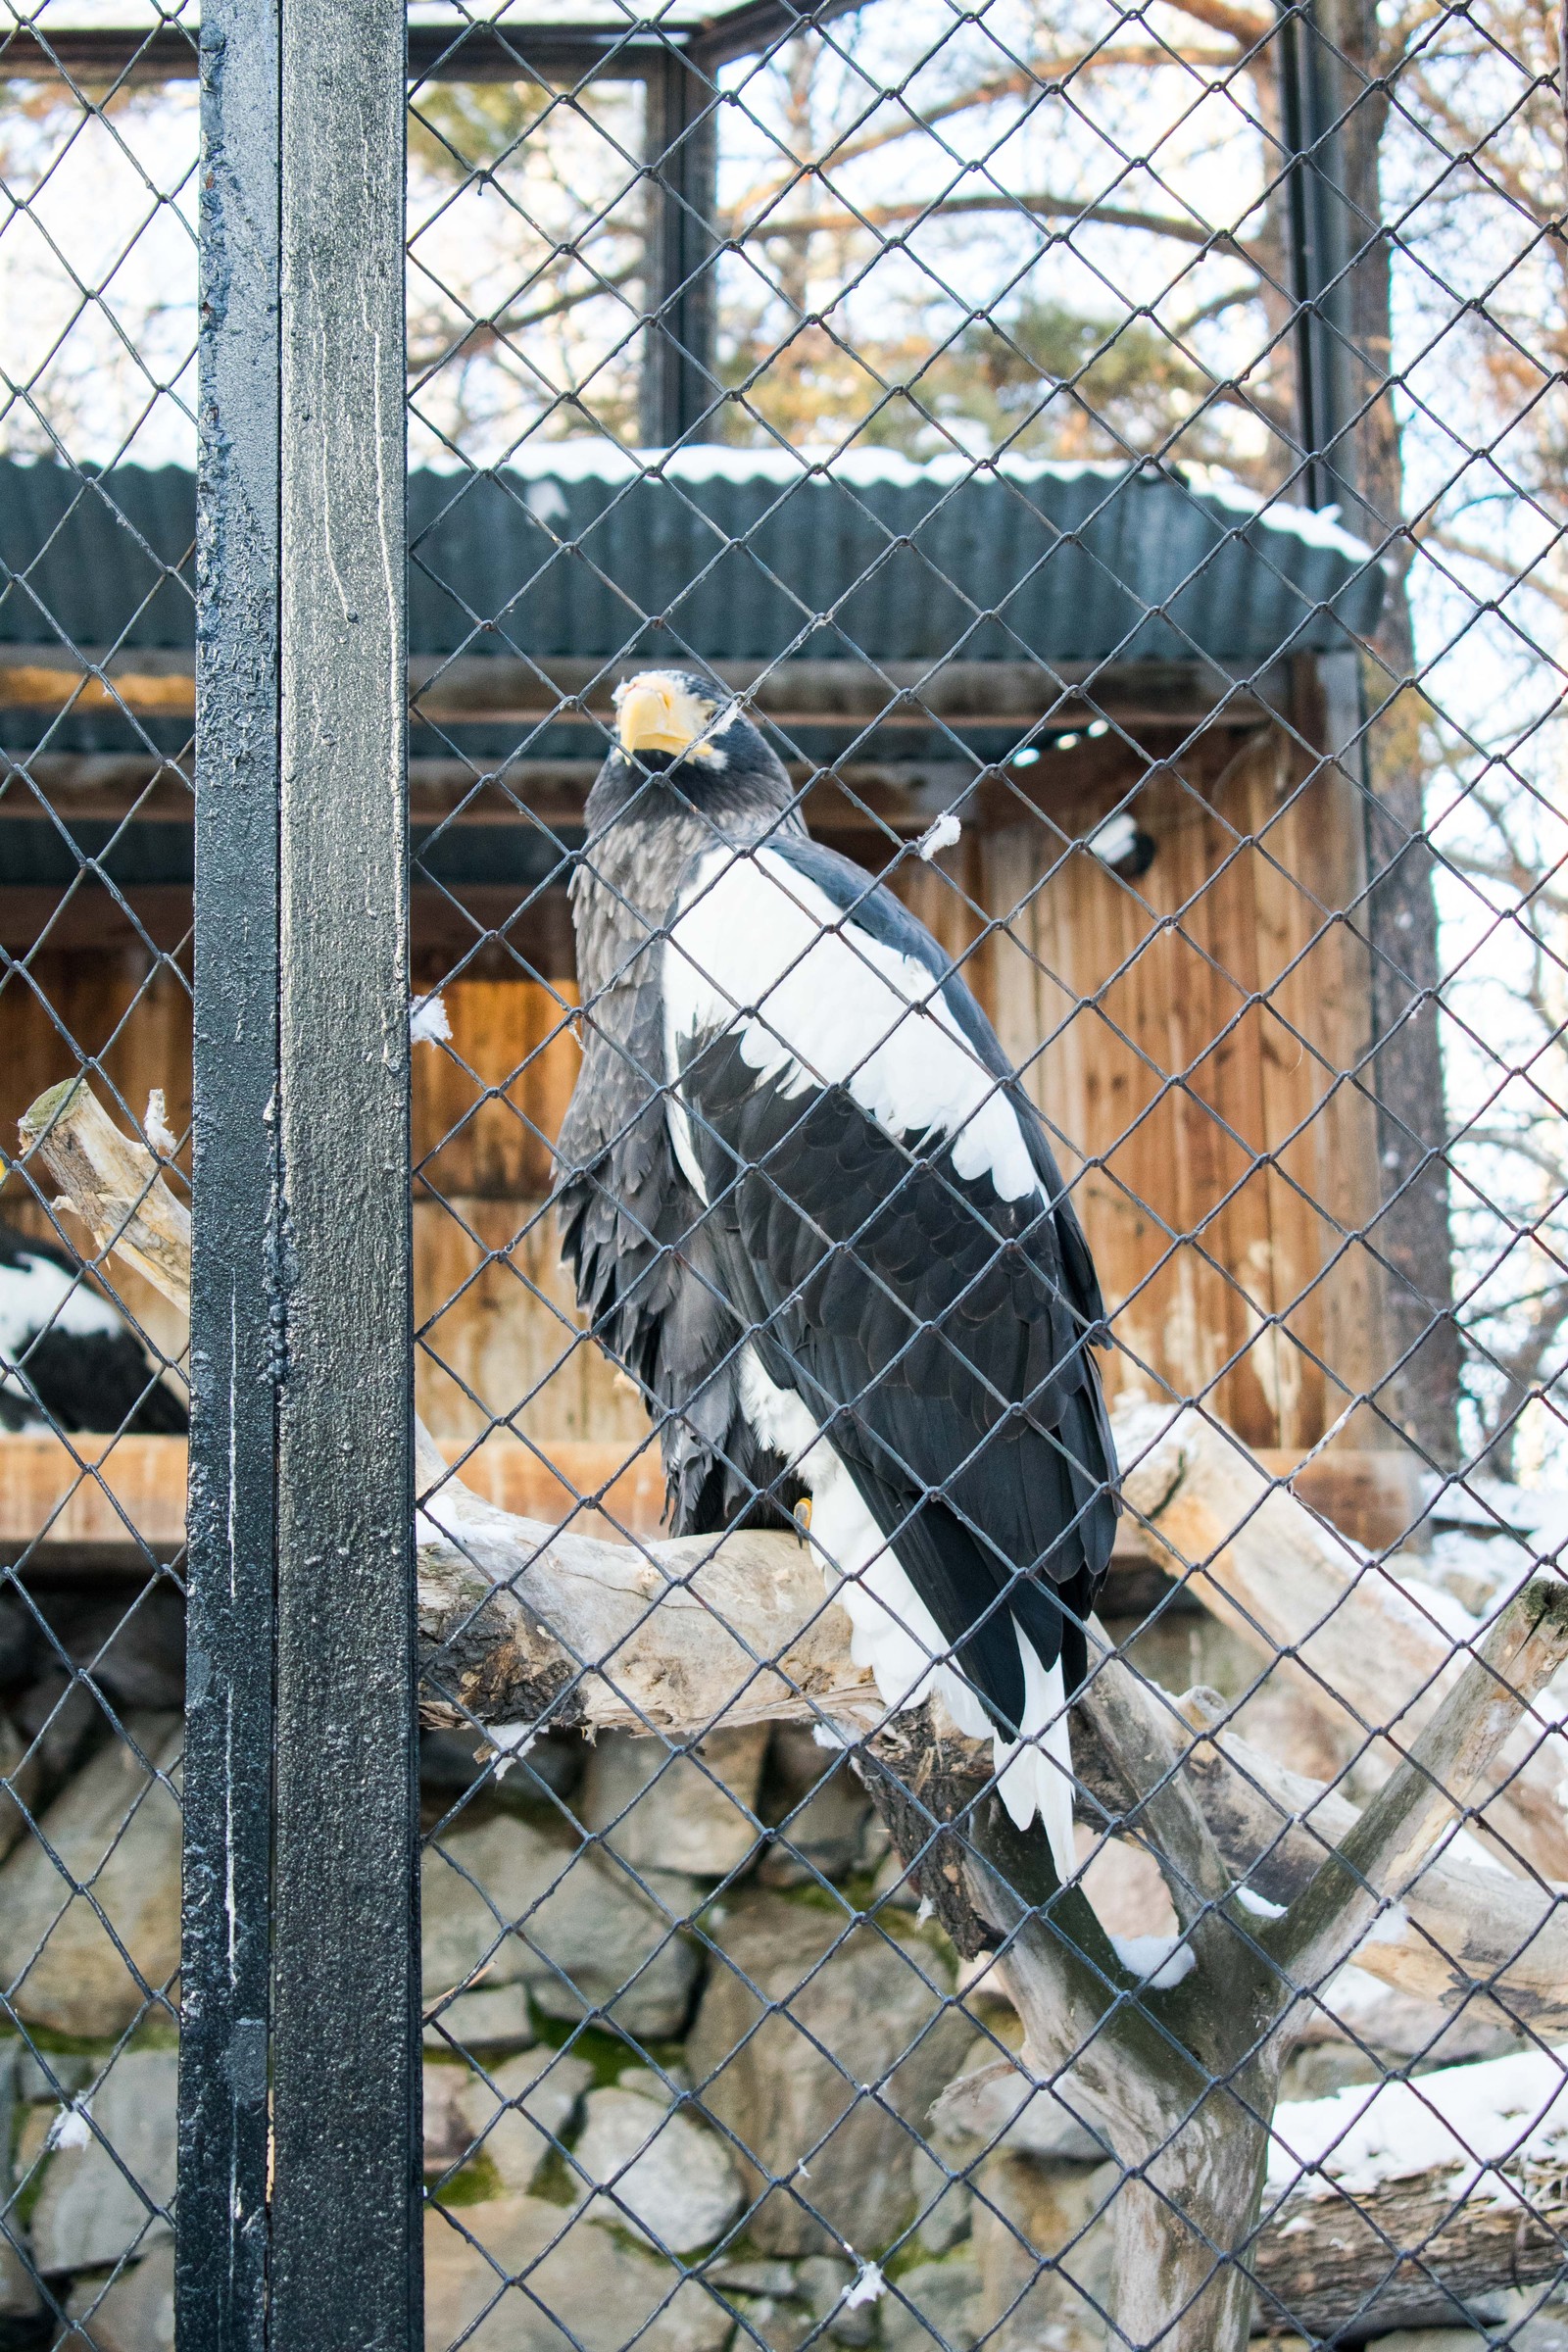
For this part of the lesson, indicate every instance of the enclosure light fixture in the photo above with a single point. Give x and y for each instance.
(1096, 728)
(1027, 757)
(1119, 843)
(1067, 742)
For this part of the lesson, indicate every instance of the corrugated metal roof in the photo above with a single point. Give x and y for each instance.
(747, 555)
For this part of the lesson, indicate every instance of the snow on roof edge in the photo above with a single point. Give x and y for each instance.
(864, 469)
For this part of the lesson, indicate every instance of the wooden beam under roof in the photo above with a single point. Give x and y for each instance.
(472, 689)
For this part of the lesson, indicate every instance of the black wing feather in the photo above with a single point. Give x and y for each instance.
(937, 1336)
(632, 1231)
(86, 1380)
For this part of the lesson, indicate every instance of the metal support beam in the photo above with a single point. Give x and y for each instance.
(221, 2208)
(1321, 244)
(299, 2192)
(681, 390)
(346, 2180)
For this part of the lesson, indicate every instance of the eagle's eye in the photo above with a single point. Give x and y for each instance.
(659, 712)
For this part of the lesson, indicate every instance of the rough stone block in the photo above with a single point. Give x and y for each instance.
(1043, 2246)
(13, 1749)
(608, 2296)
(943, 2204)
(664, 2177)
(489, 2018)
(89, 2214)
(502, 1897)
(828, 2092)
(660, 1809)
(115, 1830)
(514, 2113)
(933, 2307)
(821, 1811)
(134, 2314)
(823, 2280)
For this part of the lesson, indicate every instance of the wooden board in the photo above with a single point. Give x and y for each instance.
(117, 1500)
(1192, 1041)
(120, 1503)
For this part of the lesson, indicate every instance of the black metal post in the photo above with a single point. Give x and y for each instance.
(222, 2210)
(680, 389)
(1321, 245)
(346, 2211)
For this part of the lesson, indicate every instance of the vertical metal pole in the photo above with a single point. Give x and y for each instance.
(222, 2209)
(679, 381)
(1321, 255)
(346, 2269)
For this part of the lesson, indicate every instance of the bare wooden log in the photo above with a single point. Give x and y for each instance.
(524, 1622)
(1355, 1639)
(1460, 1934)
(112, 1184)
(1412, 2199)
(1326, 2264)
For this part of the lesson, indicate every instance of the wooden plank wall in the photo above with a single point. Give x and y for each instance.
(1189, 1041)
(1193, 1042)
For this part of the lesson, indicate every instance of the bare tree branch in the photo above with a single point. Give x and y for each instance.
(483, 334)
(1240, 25)
(1041, 207)
(1027, 81)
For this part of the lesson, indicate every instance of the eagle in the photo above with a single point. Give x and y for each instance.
(69, 1360)
(810, 1211)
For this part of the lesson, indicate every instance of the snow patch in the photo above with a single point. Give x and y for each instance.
(509, 1741)
(154, 1126)
(1160, 1961)
(940, 836)
(867, 468)
(1258, 1904)
(1460, 2118)
(545, 501)
(428, 1024)
(866, 2287)
(1389, 1926)
(69, 2129)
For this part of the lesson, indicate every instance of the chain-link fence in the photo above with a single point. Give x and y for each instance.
(872, 979)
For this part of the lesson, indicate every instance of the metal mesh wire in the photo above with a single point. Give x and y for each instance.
(1114, 458)
(98, 257)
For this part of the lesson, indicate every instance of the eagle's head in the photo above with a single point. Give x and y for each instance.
(693, 736)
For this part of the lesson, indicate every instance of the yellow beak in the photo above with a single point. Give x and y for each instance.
(653, 716)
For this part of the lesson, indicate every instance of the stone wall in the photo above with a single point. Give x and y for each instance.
(685, 2034)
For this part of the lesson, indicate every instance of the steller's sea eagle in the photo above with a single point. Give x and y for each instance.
(68, 1358)
(812, 1211)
